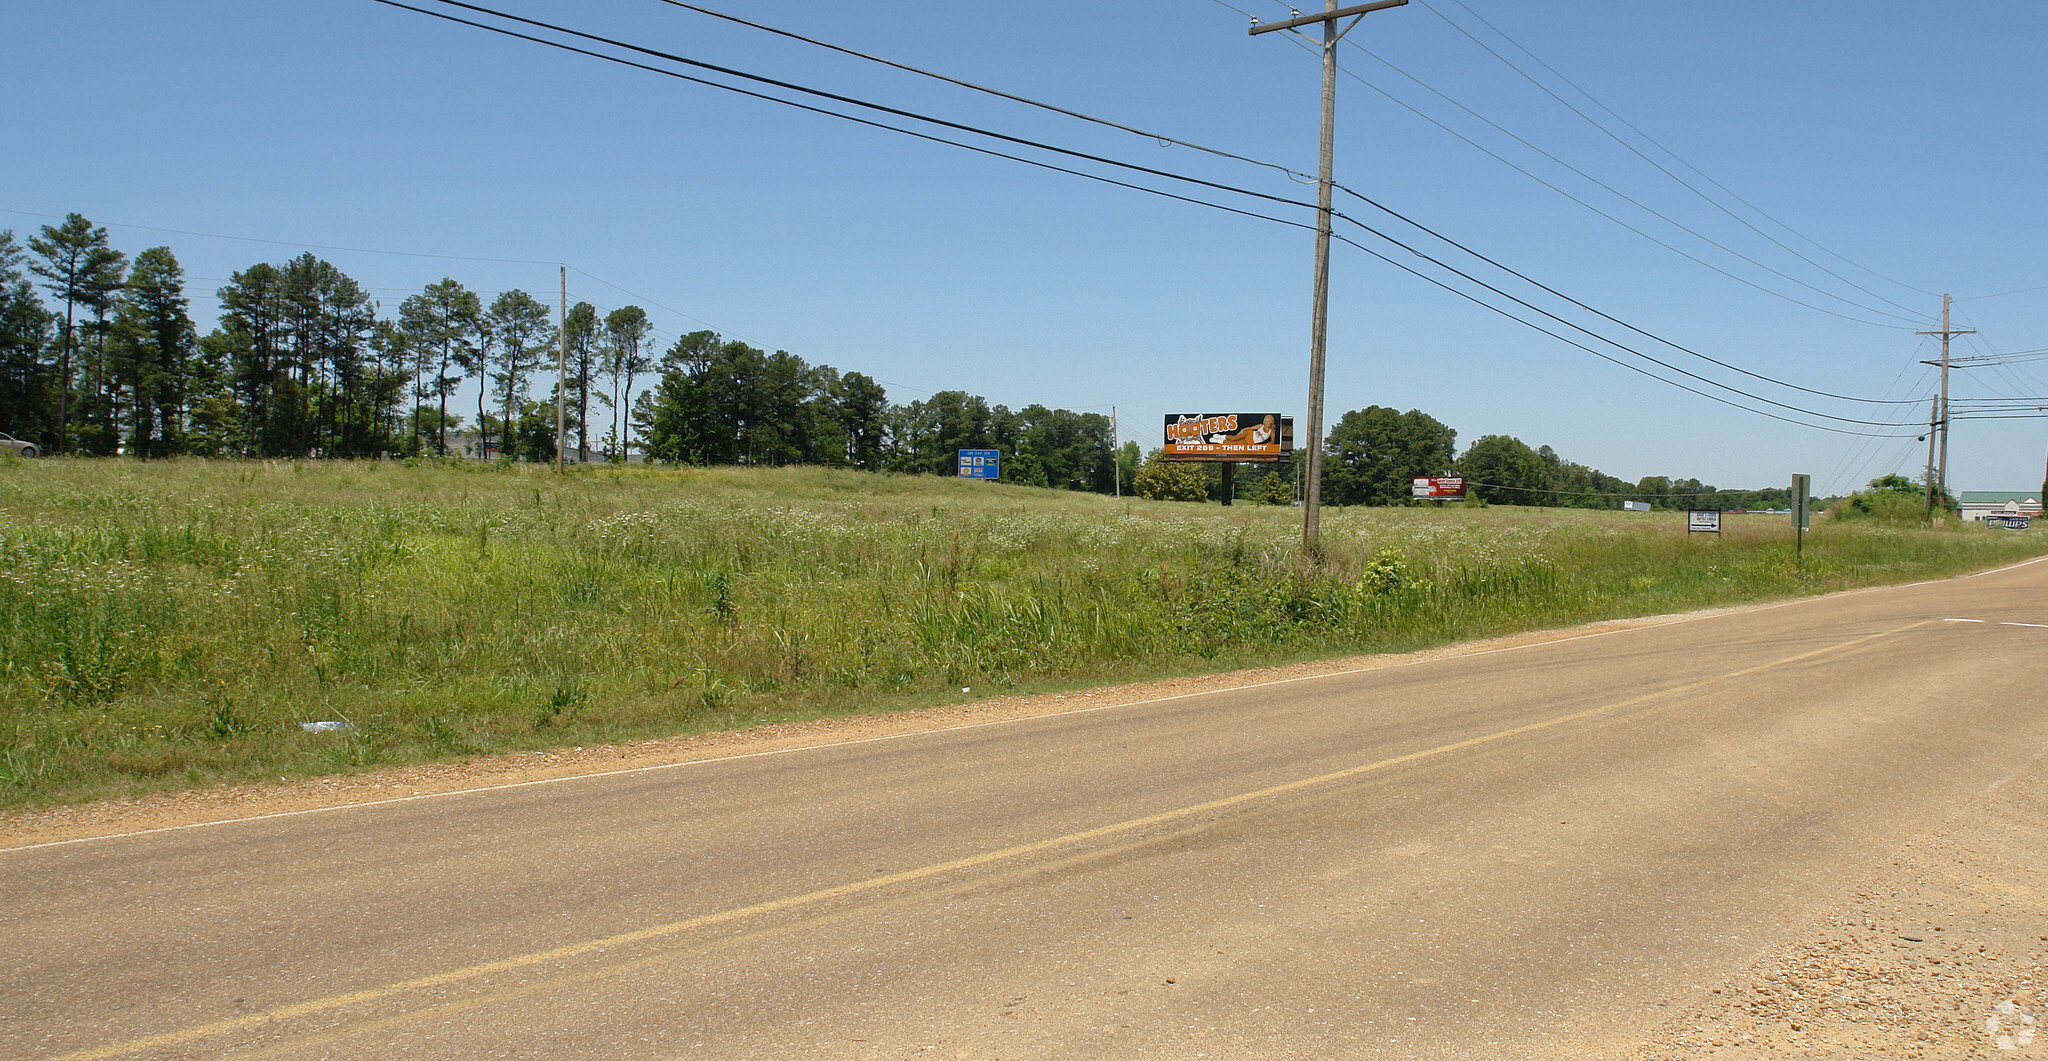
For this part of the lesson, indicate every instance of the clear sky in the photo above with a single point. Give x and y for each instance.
(1858, 157)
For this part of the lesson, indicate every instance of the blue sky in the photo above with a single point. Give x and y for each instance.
(1896, 146)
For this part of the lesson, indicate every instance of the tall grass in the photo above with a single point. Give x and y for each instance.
(173, 623)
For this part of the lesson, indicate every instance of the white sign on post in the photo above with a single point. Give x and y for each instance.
(1703, 521)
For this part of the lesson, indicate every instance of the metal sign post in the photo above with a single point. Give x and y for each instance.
(1802, 486)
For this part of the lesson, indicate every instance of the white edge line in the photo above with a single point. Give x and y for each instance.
(1641, 624)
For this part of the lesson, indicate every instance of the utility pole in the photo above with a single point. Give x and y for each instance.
(561, 362)
(1933, 418)
(1319, 330)
(1940, 481)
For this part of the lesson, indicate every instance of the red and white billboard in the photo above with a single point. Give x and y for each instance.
(1440, 488)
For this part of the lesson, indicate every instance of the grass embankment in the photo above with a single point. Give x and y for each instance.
(171, 624)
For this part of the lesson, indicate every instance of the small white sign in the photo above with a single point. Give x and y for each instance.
(1700, 521)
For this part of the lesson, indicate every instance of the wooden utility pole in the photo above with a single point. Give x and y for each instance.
(1940, 481)
(1319, 329)
(561, 362)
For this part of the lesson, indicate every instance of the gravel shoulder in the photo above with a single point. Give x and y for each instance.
(1942, 952)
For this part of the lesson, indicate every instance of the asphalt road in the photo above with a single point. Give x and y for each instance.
(1531, 852)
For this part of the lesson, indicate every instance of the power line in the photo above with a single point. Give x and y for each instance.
(1625, 197)
(1652, 141)
(1503, 160)
(1389, 211)
(1225, 154)
(1704, 197)
(1605, 357)
(2002, 294)
(1092, 176)
(1867, 450)
(1496, 156)
(999, 93)
(850, 101)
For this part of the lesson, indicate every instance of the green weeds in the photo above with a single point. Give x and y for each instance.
(173, 623)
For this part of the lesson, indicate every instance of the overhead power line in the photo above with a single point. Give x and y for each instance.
(1703, 175)
(1659, 166)
(1616, 192)
(1390, 212)
(1688, 185)
(2002, 294)
(1624, 196)
(1226, 154)
(1151, 171)
(999, 93)
(1606, 357)
(1291, 173)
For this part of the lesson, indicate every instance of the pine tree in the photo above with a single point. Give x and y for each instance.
(75, 261)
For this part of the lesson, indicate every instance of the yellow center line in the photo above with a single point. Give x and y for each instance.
(822, 895)
(630, 965)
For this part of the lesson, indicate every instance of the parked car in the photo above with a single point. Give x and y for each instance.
(10, 444)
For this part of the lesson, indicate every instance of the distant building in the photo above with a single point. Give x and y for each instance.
(1978, 504)
(465, 444)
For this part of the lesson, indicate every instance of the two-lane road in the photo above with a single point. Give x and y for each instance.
(1525, 852)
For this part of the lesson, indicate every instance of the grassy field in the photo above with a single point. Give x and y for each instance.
(170, 624)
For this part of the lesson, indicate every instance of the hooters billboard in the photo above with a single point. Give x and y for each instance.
(1232, 437)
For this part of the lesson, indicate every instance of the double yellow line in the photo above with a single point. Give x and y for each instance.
(515, 963)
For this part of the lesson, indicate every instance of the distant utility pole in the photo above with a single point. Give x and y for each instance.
(1116, 453)
(1933, 419)
(561, 362)
(1940, 481)
(1319, 330)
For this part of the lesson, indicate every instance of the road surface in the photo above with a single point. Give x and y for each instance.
(1590, 846)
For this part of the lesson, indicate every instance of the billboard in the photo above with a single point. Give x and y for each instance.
(1236, 437)
(1439, 488)
(981, 464)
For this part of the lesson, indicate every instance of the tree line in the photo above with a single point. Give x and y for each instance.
(1372, 456)
(99, 356)
(1379, 452)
